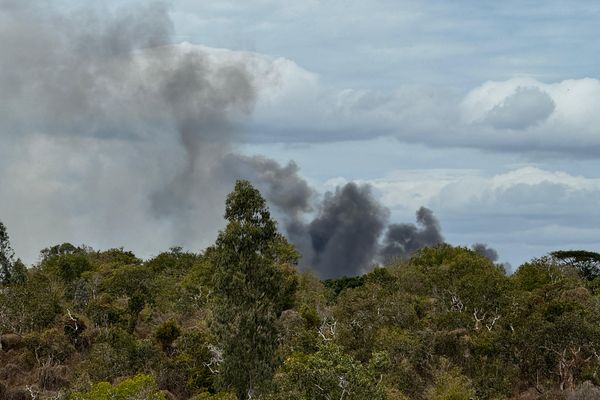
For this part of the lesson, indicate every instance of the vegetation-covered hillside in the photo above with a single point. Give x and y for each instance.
(238, 321)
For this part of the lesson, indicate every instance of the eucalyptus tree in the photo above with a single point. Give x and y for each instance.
(253, 281)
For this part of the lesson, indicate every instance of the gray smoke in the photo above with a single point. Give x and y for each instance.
(104, 86)
(484, 250)
(402, 240)
(342, 239)
(285, 189)
(77, 74)
(112, 135)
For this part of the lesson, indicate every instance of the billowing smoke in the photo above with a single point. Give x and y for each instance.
(343, 238)
(282, 185)
(112, 135)
(133, 129)
(402, 240)
(344, 234)
(486, 251)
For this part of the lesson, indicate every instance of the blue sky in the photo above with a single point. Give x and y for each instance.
(485, 112)
(445, 49)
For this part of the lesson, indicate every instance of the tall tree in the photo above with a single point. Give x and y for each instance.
(253, 283)
(6, 255)
(587, 263)
(11, 271)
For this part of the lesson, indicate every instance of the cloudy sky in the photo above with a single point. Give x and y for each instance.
(485, 113)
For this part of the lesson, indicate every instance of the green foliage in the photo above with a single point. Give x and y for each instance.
(253, 284)
(117, 353)
(167, 333)
(362, 312)
(11, 271)
(51, 344)
(191, 357)
(65, 261)
(218, 396)
(326, 374)
(140, 387)
(18, 275)
(587, 263)
(33, 305)
(337, 285)
(240, 321)
(450, 385)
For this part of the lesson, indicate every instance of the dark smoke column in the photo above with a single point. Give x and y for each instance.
(343, 237)
(402, 240)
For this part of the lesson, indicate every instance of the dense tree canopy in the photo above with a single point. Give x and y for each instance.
(238, 321)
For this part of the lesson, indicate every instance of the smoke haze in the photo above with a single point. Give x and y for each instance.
(118, 137)
(139, 127)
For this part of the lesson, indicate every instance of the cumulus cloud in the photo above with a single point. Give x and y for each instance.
(527, 190)
(522, 212)
(552, 117)
(522, 109)
(520, 115)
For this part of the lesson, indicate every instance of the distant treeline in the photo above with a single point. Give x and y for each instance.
(240, 322)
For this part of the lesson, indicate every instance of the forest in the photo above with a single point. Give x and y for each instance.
(241, 321)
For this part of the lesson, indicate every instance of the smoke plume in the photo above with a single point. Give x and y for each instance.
(345, 232)
(341, 239)
(113, 135)
(402, 240)
(140, 127)
(486, 251)
(285, 189)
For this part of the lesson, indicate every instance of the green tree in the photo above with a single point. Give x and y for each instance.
(326, 374)
(11, 271)
(166, 334)
(450, 385)
(253, 283)
(6, 256)
(587, 263)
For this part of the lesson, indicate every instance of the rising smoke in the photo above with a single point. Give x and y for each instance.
(282, 185)
(484, 250)
(343, 237)
(108, 86)
(402, 240)
(121, 137)
(344, 234)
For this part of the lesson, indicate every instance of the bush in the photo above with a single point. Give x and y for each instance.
(140, 387)
(450, 385)
(167, 333)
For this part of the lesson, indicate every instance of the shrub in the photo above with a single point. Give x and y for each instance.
(140, 387)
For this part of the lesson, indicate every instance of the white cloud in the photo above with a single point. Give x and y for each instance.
(524, 212)
(523, 109)
(525, 188)
(521, 115)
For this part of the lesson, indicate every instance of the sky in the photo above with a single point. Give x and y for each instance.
(483, 112)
